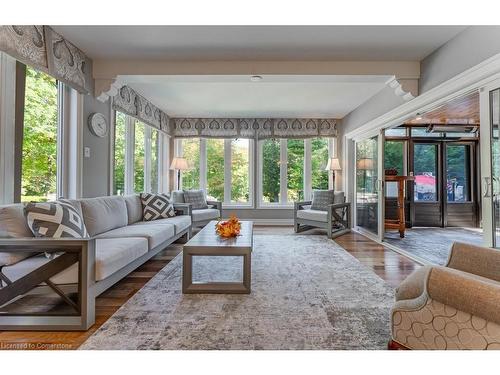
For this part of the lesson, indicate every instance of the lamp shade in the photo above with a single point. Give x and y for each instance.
(333, 165)
(180, 164)
(365, 164)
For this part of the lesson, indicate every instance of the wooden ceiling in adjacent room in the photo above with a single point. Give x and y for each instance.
(459, 111)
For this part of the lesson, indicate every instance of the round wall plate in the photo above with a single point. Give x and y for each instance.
(98, 125)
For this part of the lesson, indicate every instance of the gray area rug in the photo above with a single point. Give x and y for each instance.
(433, 244)
(307, 293)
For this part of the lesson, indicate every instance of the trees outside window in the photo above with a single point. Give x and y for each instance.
(295, 170)
(119, 160)
(191, 151)
(271, 171)
(240, 171)
(319, 161)
(39, 149)
(155, 141)
(139, 157)
(215, 169)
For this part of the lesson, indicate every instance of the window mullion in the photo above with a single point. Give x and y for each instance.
(283, 171)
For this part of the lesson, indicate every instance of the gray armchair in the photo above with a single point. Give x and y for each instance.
(336, 219)
(199, 217)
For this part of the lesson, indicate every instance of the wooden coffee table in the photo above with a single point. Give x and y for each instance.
(207, 243)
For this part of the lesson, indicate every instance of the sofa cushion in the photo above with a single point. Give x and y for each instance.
(196, 198)
(13, 222)
(314, 215)
(155, 234)
(111, 255)
(134, 208)
(321, 199)
(177, 196)
(114, 254)
(55, 220)
(180, 222)
(104, 214)
(205, 214)
(156, 206)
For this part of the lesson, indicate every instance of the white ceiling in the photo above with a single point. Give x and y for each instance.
(259, 42)
(275, 96)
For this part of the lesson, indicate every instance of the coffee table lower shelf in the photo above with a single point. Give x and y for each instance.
(190, 287)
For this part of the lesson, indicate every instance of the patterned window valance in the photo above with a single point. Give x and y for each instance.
(133, 104)
(46, 50)
(258, 128)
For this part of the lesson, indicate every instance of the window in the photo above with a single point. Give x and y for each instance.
(226, 174)
(119, 149)
(425, 171)
(295, 170)
(215, 169)
(240, 170)
(137, 161)
(319, 161)
(291, 168)
(39, 148)
(155, 143)
(271, 171)
(191, 151)
(394, 158)
(139, 157)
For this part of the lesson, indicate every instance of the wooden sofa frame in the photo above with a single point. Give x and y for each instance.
(73, 251)
(337, 214)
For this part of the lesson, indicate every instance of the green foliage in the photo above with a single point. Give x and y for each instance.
(191, 151)
(120, 140)
(39, 164)
(319, 160)
(240, 182)
(139, 157)
(295, 170)
(394, 156)
(271, 170)
(215, 168)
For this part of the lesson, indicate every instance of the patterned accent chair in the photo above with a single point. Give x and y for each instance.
(451, 307)
(336, 219)
(199, 217)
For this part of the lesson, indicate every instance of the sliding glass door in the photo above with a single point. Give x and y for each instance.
(490, 163)
(369, 213)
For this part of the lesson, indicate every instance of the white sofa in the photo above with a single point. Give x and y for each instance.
(119, 242)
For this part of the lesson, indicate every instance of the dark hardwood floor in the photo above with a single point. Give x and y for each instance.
(389, 265)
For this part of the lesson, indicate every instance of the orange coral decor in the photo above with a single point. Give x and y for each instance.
(229, 228)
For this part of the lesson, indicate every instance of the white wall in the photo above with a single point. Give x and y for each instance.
(472, 46)
(96, 170)
(379, 104)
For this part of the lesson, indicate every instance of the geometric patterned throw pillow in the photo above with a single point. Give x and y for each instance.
(196, 198)
(156, 206)
(321, 199)
(55, 220)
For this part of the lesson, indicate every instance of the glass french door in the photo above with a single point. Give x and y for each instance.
(369, 214)
(490, 163)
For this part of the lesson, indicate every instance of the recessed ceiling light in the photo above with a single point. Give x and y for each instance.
(418, 118)
(256, 78)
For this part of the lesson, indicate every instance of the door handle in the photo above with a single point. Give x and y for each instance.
(486, 187)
